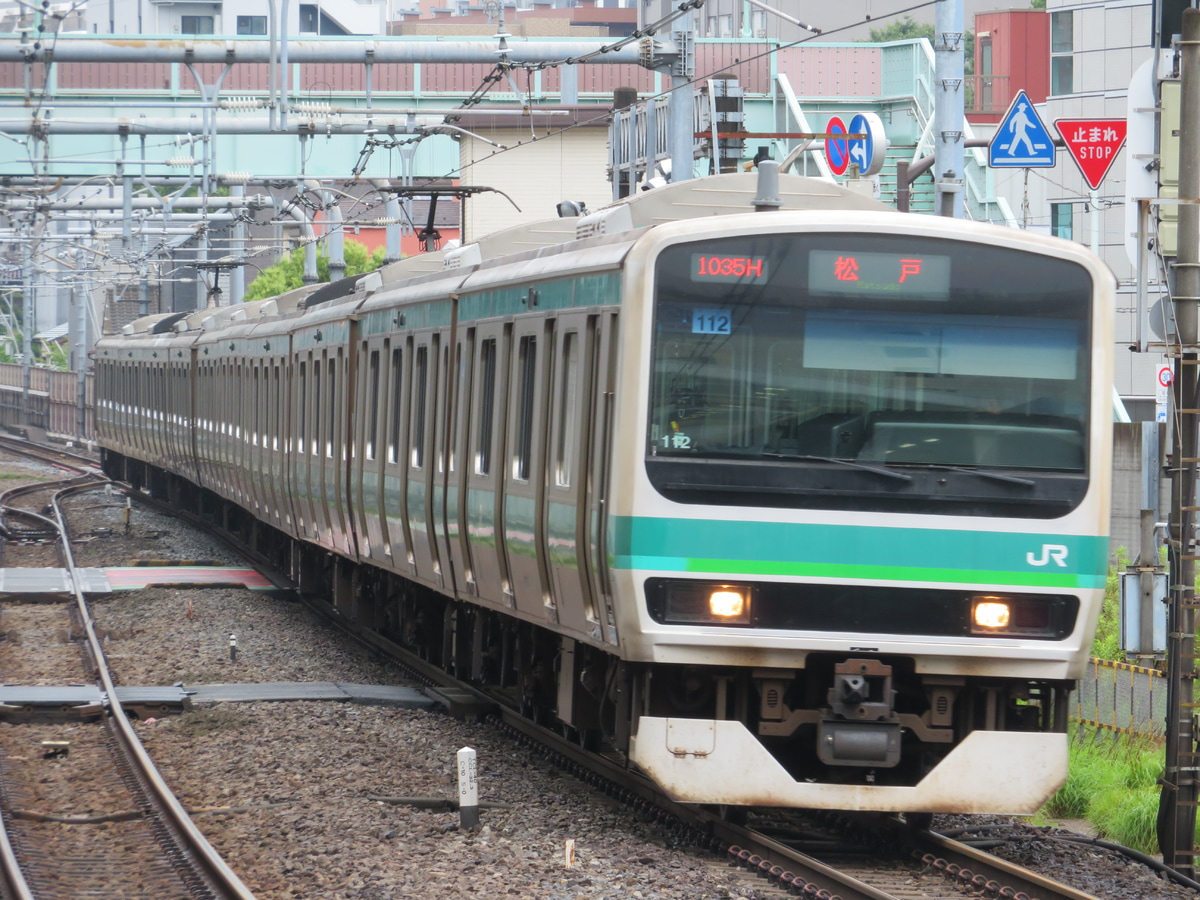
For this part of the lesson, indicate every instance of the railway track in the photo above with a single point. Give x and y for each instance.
(85, 812)
(874, 859)
(860, 858)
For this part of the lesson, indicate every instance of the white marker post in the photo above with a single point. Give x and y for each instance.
(468, 790)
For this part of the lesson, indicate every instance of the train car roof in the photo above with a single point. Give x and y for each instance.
(732, 193)
(712, 195)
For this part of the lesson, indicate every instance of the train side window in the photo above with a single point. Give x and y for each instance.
(393, 454)
(462, 392)
(420, 385)
(439, 445)
(239, 387)
(245, 419)
(241, 424)
(526, 389)
(316, 418)
(331, 434)
(276, 405)
(301, 432)
(256, 409)
(372, 404)
(568, 412)
(264, 407)
(487, 406)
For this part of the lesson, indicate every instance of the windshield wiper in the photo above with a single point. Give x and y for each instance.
(876, 470)
(980, 473)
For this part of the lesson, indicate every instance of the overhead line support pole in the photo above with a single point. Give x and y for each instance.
(948, 111)
(1177, 808)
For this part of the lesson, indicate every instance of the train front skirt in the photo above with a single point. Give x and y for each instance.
(1007, 772)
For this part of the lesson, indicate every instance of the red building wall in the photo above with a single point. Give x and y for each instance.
(1020, 60)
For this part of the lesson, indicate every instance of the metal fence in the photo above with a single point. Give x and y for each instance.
(1121, 698)
(52, 402)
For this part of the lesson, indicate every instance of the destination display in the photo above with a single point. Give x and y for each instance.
(925, 276)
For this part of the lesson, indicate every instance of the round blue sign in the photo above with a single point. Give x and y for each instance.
(862, 150)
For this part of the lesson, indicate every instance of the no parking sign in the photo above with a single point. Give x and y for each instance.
(837, 150)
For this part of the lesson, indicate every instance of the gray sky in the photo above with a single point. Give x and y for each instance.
(846, 12)
(830, 17)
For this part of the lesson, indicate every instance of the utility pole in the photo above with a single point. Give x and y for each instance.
(1177, 807)
(948, 103)
(29, 283)
(681, 103)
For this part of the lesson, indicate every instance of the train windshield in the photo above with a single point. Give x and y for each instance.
(800, 366)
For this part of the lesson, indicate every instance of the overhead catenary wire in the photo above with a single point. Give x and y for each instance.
(697, 79)
(501, 71)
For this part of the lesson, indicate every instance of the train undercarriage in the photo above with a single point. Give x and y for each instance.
(847, 731)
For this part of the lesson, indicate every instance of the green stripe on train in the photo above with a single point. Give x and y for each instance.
(860, 552)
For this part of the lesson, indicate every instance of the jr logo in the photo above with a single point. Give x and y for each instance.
(1056, 552)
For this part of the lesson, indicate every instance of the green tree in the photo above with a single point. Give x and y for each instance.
(905, 29)
(1037, 4)
(289, 272)
(908, 29)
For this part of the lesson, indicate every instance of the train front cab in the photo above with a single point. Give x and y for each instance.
(814, 534)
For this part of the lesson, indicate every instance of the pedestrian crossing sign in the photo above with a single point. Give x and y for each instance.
(1021, 139)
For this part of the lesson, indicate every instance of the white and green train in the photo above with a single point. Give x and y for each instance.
(796, 504)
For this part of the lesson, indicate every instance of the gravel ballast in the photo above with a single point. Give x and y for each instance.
(316, 799)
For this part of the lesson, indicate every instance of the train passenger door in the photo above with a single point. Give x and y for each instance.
(262, 412)
(484, 506)
(294, 448)
(524, 481)
(199, 419)
(442, 514)
(252, 479)
(323, 433)
(600, 404)
(566, 510)
(307, 445)
(367, 457)
(337, 450)
(421, 469)
(277, 504)
(456, 549)
(394, 499)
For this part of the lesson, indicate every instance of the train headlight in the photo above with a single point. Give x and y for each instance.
(729, 604)
(1018, 615)
(990, 614)
(701, 603)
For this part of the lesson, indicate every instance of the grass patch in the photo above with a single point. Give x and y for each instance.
(1113, 783)
(1107, 643)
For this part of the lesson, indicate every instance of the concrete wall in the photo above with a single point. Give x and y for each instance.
(1135, 486)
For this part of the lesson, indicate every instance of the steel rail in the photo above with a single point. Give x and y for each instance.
(772, 859)
(200, 852)
(205, 862)
(790, 869)
(955, 858)
(12, 879)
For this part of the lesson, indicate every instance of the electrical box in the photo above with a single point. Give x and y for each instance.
(1148, 595)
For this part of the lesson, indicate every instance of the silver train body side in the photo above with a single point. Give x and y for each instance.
(803, 507)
